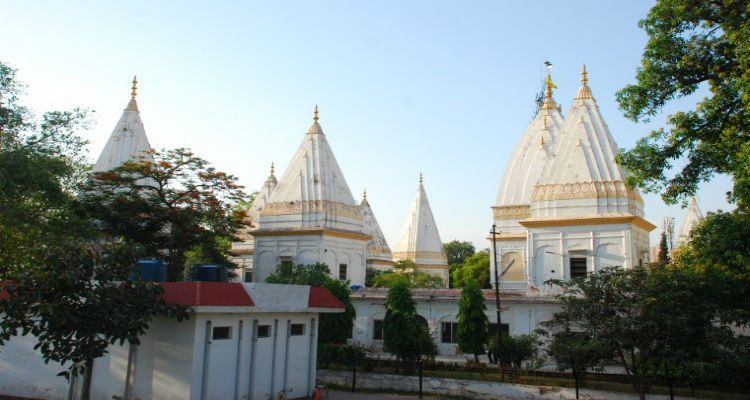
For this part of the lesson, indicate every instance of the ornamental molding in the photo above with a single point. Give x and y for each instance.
(312, 207)
(380, 250)
(584, 190)
(511, 212)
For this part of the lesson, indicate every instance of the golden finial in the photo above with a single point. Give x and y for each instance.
(584, 76)
(133, 88)
(550, 85)
(541, 141)
(315, 118)
(420, 178)
(272, 167)
(364, 194)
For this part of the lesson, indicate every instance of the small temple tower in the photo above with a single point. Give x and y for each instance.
(378, 254)
(693, 216)
(128, 139)
(243, 249)
(311, 216)
(420, 240)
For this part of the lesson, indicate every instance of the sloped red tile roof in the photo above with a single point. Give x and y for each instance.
(322, 298)
(206, 294)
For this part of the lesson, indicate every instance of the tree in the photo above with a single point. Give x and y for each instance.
(402, 334)
(334, 328)
(178, 202)
(472, 321)
(575, 351)
(515, 351)
(693, 44)
(654, 318)
(476, 268)
(67, 299)
(457, 251)
(407, 271)
(663, 249)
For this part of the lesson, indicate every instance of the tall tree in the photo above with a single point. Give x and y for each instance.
(334, 328)
(663, 248)
(178, 202)
(472, 321)
(402, 334)
(693, 44)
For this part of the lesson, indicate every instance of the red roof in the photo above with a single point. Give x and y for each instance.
(206, 294)
(322, 298)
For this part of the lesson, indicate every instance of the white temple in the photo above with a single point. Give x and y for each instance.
(128, 139)
(420, 240)
(311, 216)
(563, 209)
(693, 216)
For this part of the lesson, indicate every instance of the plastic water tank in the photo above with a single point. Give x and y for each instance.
(150, 270)
(209, 273)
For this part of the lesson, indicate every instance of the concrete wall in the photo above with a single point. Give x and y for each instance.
(479, 390)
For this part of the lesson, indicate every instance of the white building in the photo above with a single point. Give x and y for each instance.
(563, 209)
(693, 217)
(420, 239)
(311, 216)
(251, 341)
(378, 253)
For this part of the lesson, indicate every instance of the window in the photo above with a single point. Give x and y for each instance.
(297, 330)
(492, 329)
(377, 329)
(248, 275)
(577, 267)
(342, 272)
(221, 333)
(449, 332)
(285, 259)
(263, 331)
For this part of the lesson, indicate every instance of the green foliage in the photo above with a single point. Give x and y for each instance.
(472, 321)
(654, 318)
(334, 328)
(402, 334)
(66, 300)
(408, 272)
(693, 44)
(663, 248)
(516, 351)
(476, 268)
(577, 352)
(370, 275)
(345, 354)
(719, 251)
(457, 251)
(178, 202)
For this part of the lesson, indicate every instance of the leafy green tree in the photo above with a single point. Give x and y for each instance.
(575, 351)
(334, 328)
(693, 44)
(515, 351)
(457, 251)
(663, 248)
(476, 268)
(178, 202)
(472, 321)
(66, 301)
(407, 271)
(370, 275)
(654, 318)
(59, 277)
(402, 334)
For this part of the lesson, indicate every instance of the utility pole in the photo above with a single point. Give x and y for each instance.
(497, 286)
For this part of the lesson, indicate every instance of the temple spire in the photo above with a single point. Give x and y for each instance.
(132, 105)
(584, 92)
(548, 102)
(315, 118)
(272, 168)
(364, 194)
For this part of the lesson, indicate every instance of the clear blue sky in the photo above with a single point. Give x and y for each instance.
(445, 88)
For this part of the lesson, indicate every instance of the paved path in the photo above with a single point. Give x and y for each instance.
(344, 395)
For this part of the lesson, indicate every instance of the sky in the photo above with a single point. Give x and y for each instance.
(443, 88)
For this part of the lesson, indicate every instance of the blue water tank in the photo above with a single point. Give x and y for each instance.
(150, 270)
(209, 273)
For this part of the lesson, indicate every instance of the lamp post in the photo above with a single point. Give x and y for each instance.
(497, 287)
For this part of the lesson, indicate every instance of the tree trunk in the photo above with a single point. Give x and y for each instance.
(476, 358)
(576, 382)
(86, 389)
